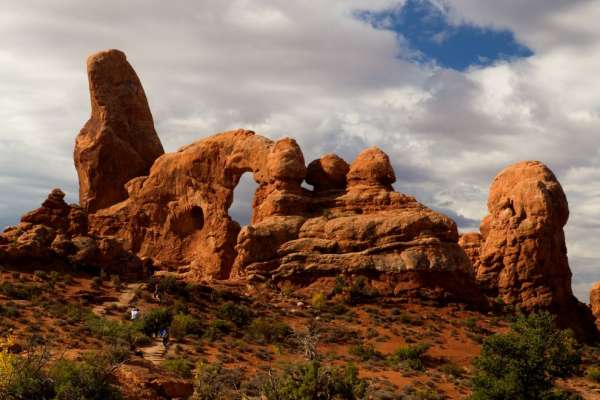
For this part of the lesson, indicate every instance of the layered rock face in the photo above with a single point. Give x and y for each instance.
(178, 213)
(352, 224)
(118, 142)
(363, 228)
(522, 257)
(57, 233)
(173, 208)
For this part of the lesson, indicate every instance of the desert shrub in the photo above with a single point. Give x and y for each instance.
(218, 328)
(239, 314)
(96, 282)
(312, 380)
(19, 291)
(184, 324)
(269, 331)
(319, 301)
(115, 281)
(593, 374)
(40, 275)
(155, 320)
(364, 351)
(170, 285)
(452, 370)
(213, 382)
(84, 380)
(31, 375)
(22, 377)
(411, 356)
(178, 366)
(525, 362)
(116, 332)
(421, 393)
(9, 310)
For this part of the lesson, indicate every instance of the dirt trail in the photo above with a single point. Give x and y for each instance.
(126, 295)
(156, 352)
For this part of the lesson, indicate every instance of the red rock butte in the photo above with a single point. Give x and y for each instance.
(139, 205)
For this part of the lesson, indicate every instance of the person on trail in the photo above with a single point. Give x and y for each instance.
(156, 294)
(135, 313)
(149, 266)
(164, 333)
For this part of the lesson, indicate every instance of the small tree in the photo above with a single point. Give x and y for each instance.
(524, 363)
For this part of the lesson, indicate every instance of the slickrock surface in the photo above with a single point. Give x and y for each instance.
(118, 142)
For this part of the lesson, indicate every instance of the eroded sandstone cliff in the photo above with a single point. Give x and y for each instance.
(137, 202)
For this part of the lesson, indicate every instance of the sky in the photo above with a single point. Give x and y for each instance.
(452, 90)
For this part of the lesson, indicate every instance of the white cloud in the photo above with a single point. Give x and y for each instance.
(311, 71)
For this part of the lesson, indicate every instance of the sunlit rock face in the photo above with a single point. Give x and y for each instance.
(520, 256)
(118, 142)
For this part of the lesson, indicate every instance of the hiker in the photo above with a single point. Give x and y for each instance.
(149, 266)
(135, 313)
(164, 333)
(156, 294)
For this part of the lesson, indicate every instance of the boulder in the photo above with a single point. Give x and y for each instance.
(118, 142)
(327, 173)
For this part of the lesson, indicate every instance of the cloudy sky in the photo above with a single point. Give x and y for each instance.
(452, 90)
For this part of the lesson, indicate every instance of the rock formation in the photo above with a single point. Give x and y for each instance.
(523, 256)
(118, 142)
(57, 233)
(178, 213)
(595, 302)
(173, 209)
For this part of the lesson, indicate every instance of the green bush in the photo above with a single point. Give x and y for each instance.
(84, 380)
(364, 351)
(319, 301)
(269, 331)
(96, 282)
(218, 328)
(239, 314)
(213, 382)
(409, 356)
(184, 324)
(178, 366)
(593, 374)
(524, 363)
(314, 381)
(170, 285)
(115, 281)
(40, 275)
(32, 376)
(19, 291)
(155, 320)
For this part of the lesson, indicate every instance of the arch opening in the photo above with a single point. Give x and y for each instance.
(243, 196)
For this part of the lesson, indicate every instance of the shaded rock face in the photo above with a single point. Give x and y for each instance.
(118, 142)
(521, 256)
(57, 233)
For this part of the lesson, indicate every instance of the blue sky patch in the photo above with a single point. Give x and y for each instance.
(431, 37)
